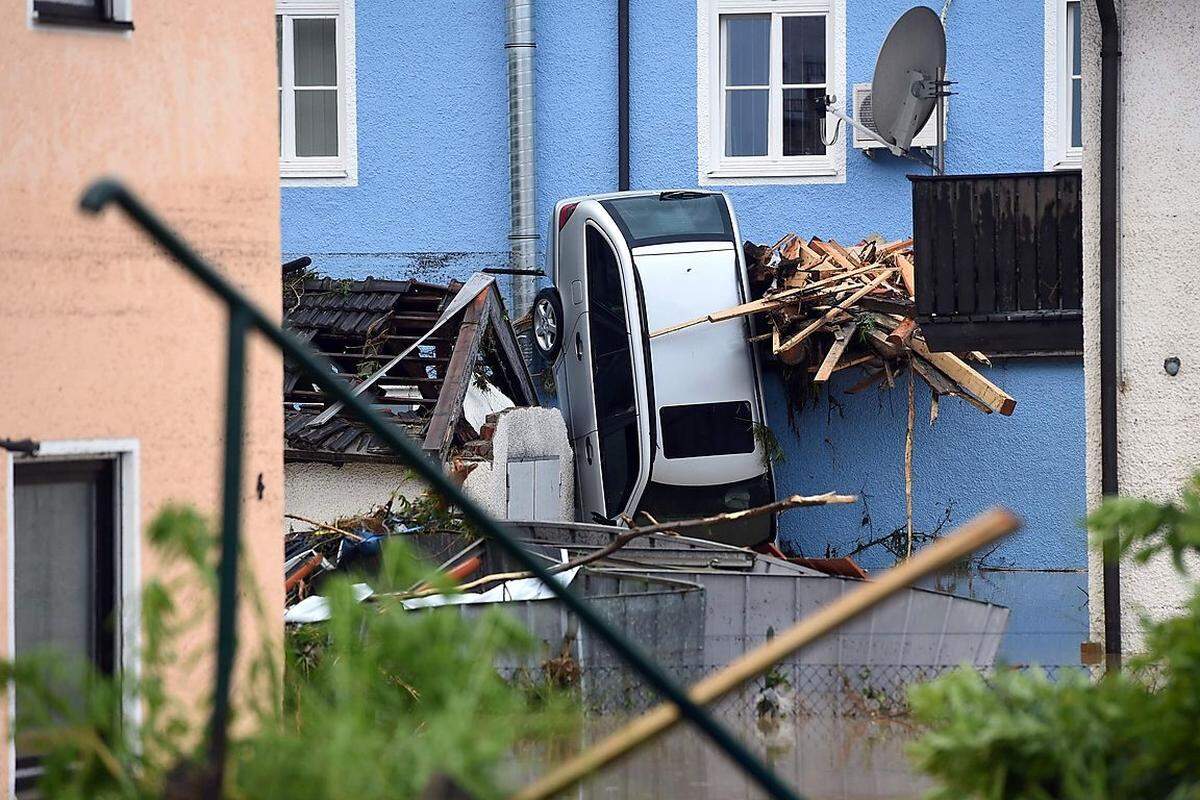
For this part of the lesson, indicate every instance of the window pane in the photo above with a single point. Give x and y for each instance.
(278, 50)
(803, 49)
(1073, 33)
(1076, 113)
(618, 466)
(315, 51)
(612, 360)
(53, 574)
(316, 122)
(748, 54)
(706, 429)
(802, 123)
(746, 122)
(64, 576)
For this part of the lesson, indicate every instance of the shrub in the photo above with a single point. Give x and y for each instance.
(376, 702)
(1132, 734)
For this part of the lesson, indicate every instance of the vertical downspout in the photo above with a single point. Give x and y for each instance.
(522, 235)
(1110, 55)
(623, 95)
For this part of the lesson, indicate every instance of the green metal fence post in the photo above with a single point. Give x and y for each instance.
(235, 383)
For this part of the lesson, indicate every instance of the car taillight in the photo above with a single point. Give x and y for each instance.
(564, 214)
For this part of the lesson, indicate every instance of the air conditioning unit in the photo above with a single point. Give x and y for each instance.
(926, 137)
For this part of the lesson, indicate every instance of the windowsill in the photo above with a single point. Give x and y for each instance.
(773, 168)
(67, 21)
(1071, 161)
(317, 172)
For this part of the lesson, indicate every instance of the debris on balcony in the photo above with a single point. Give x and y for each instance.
(829, 308)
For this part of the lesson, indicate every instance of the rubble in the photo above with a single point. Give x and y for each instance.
(830, 308)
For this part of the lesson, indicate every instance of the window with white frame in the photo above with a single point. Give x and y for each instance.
(73, 588)
(1064, 82)
(314, 80)
(767, 67)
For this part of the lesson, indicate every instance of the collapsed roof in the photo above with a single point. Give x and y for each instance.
(439, 392)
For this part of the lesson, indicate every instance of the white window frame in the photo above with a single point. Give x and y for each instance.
(714, 167)
(342, 169)
(124, 454)
(122, 11)
(1059, 154)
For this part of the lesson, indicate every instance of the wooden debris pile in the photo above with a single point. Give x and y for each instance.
(830, 308)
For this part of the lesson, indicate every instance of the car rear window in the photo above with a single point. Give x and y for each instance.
(707, 429)
(671, 217)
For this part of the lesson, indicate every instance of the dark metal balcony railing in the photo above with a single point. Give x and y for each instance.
(998, 261)
(245, 317)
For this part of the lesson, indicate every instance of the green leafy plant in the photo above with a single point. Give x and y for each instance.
(1132, 734)
(378, 702)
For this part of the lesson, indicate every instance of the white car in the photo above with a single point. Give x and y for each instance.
(667, 425)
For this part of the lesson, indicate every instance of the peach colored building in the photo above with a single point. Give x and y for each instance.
(112, 356)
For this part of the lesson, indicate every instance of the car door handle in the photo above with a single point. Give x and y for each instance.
(578, 345)
(587, 449)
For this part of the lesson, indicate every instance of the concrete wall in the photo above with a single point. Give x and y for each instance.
(1159, 185)
(329, 492)
(104, 337)
(524, 434)
(432, 200)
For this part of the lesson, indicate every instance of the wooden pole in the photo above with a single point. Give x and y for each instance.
(980, 531)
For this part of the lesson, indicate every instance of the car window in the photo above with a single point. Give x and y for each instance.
(707, 429)
(619, 460)
(612, 373)
(671, 216)
(612, 359)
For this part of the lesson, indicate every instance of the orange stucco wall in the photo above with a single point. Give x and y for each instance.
(102, 336)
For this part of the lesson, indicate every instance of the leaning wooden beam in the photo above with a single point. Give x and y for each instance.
(977, 533)
(958, 370)
(906, 273)
(841, 339)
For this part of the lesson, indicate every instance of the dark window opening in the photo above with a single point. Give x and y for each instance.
(612, 374)
(671, 217)
(707, 429)
(87, 13)
(64, 575)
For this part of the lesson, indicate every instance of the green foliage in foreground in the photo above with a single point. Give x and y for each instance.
(375, 702)
(1135, 735)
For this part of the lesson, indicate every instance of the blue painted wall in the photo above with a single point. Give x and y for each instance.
(432, 201)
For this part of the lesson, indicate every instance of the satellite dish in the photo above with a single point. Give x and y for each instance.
(904, 89)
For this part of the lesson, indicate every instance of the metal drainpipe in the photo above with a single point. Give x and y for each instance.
(522, 235)
(623, 95)
(1110, 63)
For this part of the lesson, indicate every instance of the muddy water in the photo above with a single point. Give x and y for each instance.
(824, 758)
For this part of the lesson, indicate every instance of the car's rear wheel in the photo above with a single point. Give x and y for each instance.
(548, 323)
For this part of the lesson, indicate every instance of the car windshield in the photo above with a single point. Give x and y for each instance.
(671, 217)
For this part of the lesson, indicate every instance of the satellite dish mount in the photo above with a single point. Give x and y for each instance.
(909, 84)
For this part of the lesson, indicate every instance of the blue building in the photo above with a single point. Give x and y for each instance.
(394, 122)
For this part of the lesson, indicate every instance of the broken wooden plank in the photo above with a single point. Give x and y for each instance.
(849, 301)
(905, 265)
(902, 334)
(898, 246)
(841, 339)
(959, 371)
